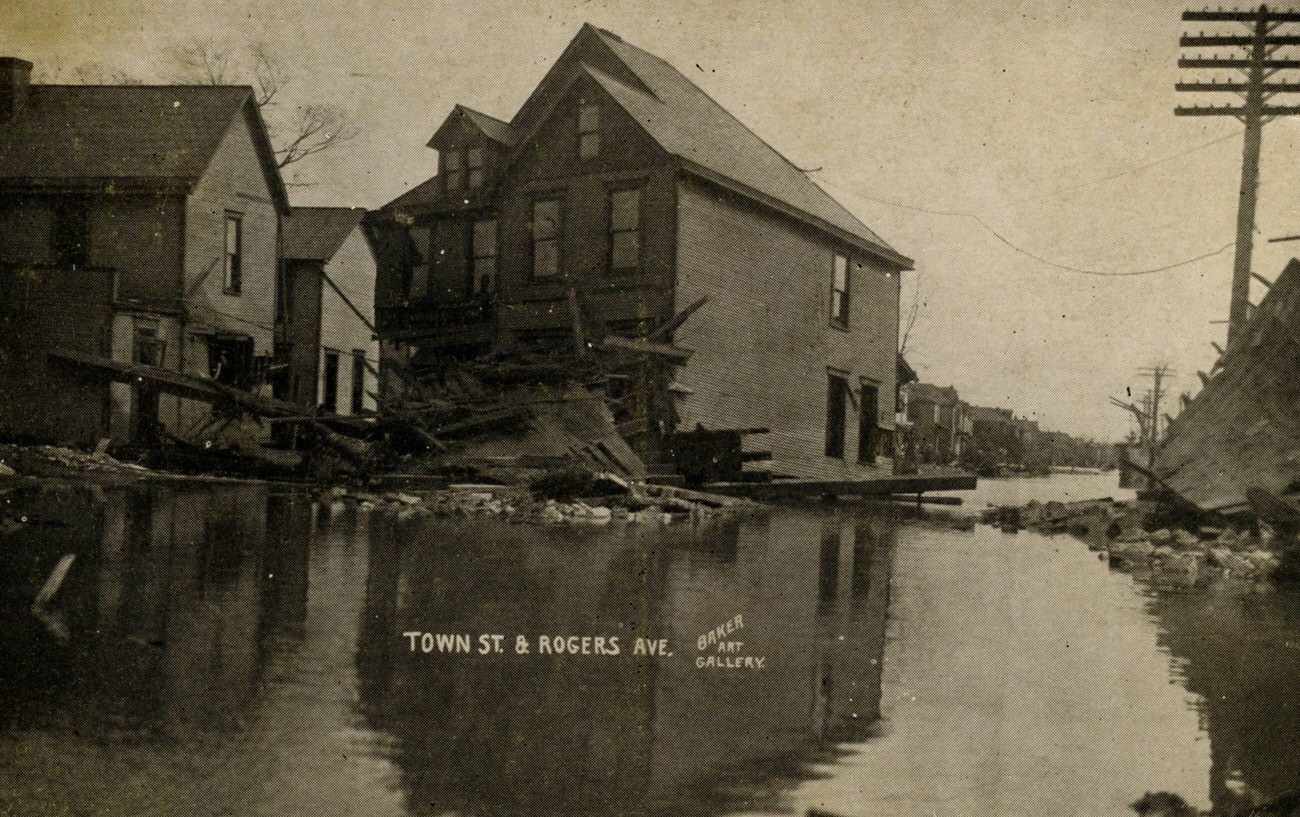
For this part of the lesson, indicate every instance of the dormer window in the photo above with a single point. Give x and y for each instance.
(475, 164)
(453, 167)
(588, 130)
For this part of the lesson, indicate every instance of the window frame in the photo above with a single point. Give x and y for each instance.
(556, 239)
(476, 256)
(613, 232)
(450, 172)
(589, 133)
(232, 264)
(475, 171)
(841, 298)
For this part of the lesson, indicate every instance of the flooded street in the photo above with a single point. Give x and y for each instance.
(241, 649)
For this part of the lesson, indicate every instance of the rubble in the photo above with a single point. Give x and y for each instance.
(630, 503)
(1139, 536)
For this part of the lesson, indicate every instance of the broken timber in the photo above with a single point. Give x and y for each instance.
(874, 486)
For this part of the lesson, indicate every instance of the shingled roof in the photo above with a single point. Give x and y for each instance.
(687, 123)
(489, 126)
(162, 135)
(316, 233)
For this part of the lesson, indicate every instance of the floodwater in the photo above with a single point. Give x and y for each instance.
(232, 649)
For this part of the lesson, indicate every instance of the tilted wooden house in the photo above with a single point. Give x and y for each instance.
(170, 199)
(327, 340)
(618, 195)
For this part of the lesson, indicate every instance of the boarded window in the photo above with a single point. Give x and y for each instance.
(474, 160)
(233, 282)
(867, 431)
(546, 238)
(358, 380)
(484, 273)
(625, 229)
(330, 388)
(837, 393)
(453, 168)
(840, 292)
(588, 130)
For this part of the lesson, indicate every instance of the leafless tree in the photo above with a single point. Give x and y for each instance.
(85, 73)
(308, 130)
(913, 310)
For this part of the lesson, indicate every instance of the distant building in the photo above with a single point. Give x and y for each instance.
(143, 223)
(618, 195)
(995, 435)
(326, 341)
(940, 427)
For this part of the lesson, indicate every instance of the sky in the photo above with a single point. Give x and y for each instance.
(991, 141)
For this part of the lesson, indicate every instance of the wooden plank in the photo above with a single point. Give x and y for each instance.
(874, 486)
(645, 347)
(667, 329)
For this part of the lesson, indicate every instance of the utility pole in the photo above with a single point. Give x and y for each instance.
(1152, 408)
(1256, 59)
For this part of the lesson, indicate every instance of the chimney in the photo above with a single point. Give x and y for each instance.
(15, 79)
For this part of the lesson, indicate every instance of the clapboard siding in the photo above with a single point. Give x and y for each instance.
(352, 269)
(763, 343)
(234, 183)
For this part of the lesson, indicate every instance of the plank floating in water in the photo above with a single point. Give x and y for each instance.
(873, 486)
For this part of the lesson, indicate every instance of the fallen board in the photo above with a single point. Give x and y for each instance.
(874, 486)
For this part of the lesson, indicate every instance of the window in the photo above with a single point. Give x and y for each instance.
(475, 165)
(233, 281)
(625, 229)
(358, 380)
(330, 388)
(588, 130)
(545, 228)
(837, 393)
(453, 167)
(149, 348)
(869, 406)
(840, 292)
(484, 270)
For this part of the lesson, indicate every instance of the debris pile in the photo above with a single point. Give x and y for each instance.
(1146, 536)
(552, 499)
(57, 461)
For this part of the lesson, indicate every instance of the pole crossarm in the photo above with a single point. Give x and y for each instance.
(1237, 64)
(1236, 110)
(1237, 40)
(1254, 15)
(1238, 87)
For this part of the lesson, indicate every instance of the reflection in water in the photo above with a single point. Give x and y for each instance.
(238, 649)
(601, 734)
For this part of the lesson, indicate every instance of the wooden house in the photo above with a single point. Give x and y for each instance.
(173, 194)
(616, 197)
(326, 342)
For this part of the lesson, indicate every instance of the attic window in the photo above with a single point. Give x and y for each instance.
(453, 167)
(588, 130)
(475, 164)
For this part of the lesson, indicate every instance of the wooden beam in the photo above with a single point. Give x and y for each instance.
(667, 329)
(648, 348)
(871, 486)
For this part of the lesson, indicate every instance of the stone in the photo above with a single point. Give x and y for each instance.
(1133, 535)
(1135, 552)
(1186, 540)
(6, 471)
(1162, 552)
(1162, 537)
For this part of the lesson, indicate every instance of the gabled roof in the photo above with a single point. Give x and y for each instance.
(316, 233)
(489, 126)
(985, 414)
(152, 135)
(687, 123)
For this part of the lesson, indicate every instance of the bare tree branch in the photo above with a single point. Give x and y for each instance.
(314, 129)
(311, 129)
(913, 311)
